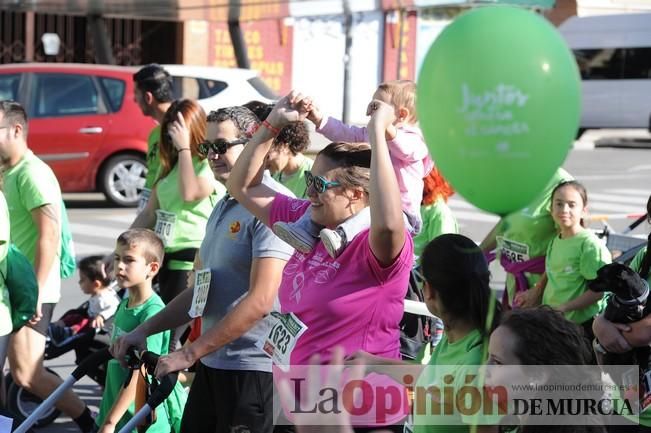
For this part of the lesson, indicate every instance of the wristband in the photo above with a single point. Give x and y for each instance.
(270, 127)
(181, 150)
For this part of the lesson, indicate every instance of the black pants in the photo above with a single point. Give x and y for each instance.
(170, 284)
(226, 401)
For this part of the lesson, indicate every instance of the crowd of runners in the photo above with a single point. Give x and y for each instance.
(240, 232)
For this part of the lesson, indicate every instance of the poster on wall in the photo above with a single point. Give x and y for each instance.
(268, 41)
(400, 29)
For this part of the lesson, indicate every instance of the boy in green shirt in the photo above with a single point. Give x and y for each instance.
(137, 259)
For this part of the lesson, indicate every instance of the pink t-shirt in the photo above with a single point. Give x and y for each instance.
(351, 301)
(408, 152)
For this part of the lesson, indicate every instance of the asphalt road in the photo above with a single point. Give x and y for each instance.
(617, 181)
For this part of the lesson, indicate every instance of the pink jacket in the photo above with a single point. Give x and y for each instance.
(409, 156)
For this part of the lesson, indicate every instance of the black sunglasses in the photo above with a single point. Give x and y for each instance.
(220, 146)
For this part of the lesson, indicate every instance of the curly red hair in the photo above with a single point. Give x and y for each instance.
(435, 186)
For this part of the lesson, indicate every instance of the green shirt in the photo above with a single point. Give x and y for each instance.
(29, 185)
(437, 220)
(529, 231)
(153, 157)
(189, 226)
(127, 319)
(467, 351)
(636, 263)
(569, 264)
(296, 182)
(5, 314)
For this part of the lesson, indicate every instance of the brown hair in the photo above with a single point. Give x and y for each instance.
(195, 119)
(435, 186)
(152, 245)
(402, 94)
(94, 269)
(353, 163)
(296, 136)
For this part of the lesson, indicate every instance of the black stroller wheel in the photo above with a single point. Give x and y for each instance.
(23, 403)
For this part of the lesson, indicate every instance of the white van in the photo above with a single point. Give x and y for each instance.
(614, 56)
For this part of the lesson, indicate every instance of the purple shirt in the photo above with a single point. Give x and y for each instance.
(352, 301)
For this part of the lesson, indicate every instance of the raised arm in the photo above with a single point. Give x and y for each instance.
(387, 236)
(244, 182)
(192, 186)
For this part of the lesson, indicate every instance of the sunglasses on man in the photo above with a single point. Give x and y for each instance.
(321, 184)
(219, 146)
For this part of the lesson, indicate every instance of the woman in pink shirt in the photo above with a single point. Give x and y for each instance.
(355, 300)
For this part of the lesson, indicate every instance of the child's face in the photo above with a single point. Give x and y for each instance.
(130, 266)
(568, 207)
(87, 285)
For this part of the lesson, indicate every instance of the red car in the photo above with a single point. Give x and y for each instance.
(84, 123)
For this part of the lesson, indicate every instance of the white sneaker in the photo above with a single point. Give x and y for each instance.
(295, 236)
(333, 241)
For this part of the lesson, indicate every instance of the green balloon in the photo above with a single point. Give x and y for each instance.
(499, 104)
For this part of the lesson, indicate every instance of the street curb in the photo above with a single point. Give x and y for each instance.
(583, 145)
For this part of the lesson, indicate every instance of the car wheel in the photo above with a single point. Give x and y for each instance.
(122, 179)
(23, 403)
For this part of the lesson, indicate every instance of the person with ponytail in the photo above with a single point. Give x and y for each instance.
(434, 210)
(573, 257)
(456, 290)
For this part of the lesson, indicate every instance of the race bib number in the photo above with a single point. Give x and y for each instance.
(514, 251)
(144, 198)
(165, 225)
(200, 295)
(282, 338)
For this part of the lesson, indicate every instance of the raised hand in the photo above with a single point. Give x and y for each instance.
(179, 133)
(293, 107)
(382, 114)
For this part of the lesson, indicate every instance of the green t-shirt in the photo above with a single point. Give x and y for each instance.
(296, 182)
(190, 218)
(5, 313)
(153, 157)
(437, 220)
(126, 320)
(467, 351)
(29, 185)
(569, 264)
(636, 263)
(527, 233)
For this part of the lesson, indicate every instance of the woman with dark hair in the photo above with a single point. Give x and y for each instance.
(356, 299)
(456, 290)
(541, 336)
(182, 199)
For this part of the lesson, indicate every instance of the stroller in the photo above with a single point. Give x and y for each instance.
(85, 343)
(157, 391)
